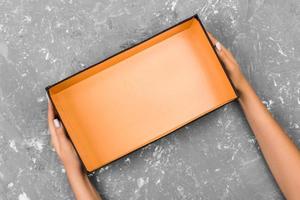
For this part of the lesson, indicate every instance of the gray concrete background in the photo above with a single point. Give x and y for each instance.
(215, 157)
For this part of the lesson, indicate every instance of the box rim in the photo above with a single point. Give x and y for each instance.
(196, 16)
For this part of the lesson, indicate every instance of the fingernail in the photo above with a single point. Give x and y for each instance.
(218, 46)
(56, 123)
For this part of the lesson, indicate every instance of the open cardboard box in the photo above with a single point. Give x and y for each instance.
(141, 94)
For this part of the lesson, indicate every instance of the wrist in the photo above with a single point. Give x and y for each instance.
(243, 89)
(74, 170)
(240, 83)
(238, 80)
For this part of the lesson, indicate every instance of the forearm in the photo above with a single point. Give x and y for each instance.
(280, 152)
(81, 186)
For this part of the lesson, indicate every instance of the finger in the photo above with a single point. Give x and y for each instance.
(56, 135)
(216, 43)
(55, 145)
(212, 38)
(52, 128)
(62, 138)
(220, 47)
(226, 60)
(60, 130)
(225, 56)
(50, 120)
(50, 112)
(54, 140)
(230, 56)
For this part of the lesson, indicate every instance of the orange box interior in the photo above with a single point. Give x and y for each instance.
(141, 94)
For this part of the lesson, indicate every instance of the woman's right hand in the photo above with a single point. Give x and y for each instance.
(232, 68)
(284, 163)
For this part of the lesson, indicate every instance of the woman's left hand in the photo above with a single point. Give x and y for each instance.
(62, 145)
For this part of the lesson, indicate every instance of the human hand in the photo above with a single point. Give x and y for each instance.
(80, 183)
(62, 145)
(232, 68)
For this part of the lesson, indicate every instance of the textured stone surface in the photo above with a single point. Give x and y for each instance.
(215, 157)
